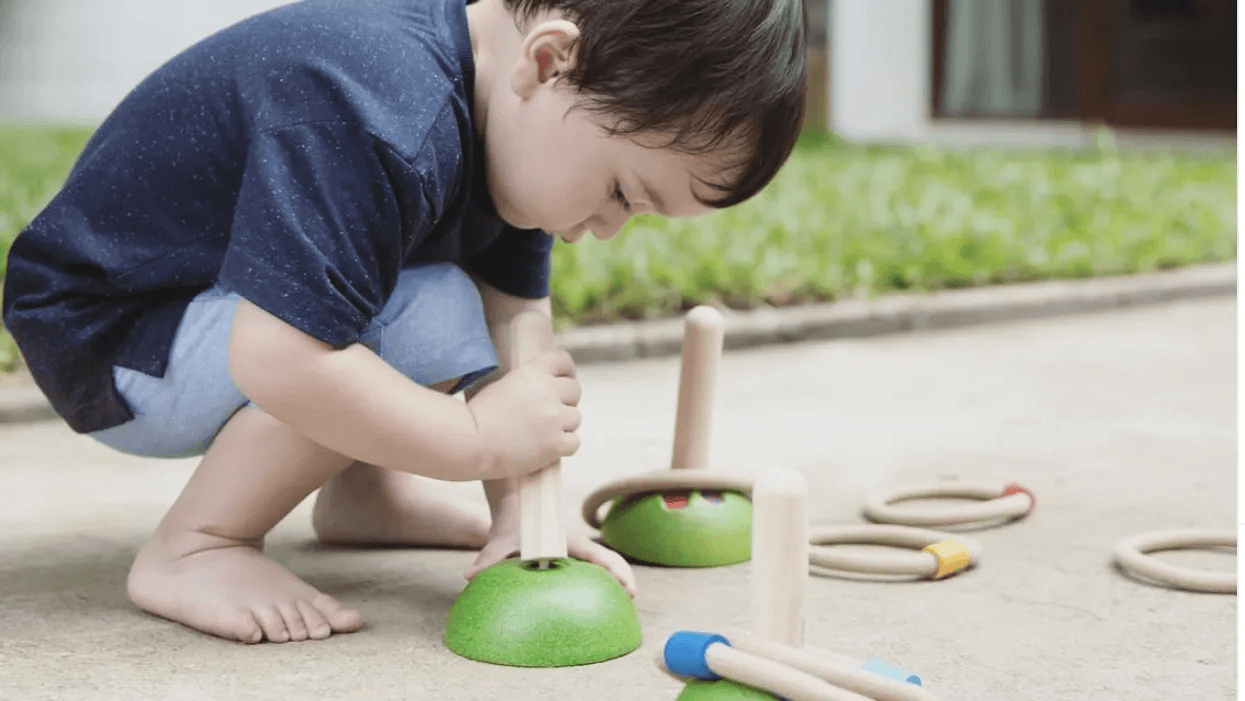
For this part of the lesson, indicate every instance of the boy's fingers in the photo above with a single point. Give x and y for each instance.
(570, 444)
(569, 390)
(571, 419)
(558, 363)
(480, 565)
(493, 553)
(615, 564)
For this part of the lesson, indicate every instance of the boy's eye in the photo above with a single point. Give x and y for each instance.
(618, 195)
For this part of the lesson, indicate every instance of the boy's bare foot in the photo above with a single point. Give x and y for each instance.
(203, 568)
(230, 589)
(368, 505)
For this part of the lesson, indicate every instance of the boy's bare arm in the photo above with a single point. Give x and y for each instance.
(351, 401)
(500, 309)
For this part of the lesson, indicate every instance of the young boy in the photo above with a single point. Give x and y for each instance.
(288, 247)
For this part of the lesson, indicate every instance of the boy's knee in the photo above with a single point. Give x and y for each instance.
(452, 277)
(442, 291)
(434, 329)
(459, 290)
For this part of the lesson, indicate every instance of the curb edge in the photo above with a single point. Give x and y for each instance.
(891, 314)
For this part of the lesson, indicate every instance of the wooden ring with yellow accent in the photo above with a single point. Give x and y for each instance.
(940, 554)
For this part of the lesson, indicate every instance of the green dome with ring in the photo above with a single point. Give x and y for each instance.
(688, 528)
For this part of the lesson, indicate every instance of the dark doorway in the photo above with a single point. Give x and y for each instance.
(1129, 63)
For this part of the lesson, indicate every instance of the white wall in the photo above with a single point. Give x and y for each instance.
(73, 60)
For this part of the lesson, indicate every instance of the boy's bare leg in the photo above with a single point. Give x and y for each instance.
(369, 505)
(204, 567)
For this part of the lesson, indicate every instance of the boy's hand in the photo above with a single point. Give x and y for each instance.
(528, 418)
(506, 545)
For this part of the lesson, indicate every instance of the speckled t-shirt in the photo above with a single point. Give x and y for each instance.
(300, 158)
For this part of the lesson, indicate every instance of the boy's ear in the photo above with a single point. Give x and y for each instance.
(546, 54)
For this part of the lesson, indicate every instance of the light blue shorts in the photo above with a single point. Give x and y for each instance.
(431, 330)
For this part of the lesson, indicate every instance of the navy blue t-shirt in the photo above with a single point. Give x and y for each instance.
(300, 158)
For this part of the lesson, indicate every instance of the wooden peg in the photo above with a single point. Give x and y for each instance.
(702, 349)
(542, 524)
(779, 555)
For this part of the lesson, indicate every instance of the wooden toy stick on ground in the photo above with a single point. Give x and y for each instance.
(542, 524)
(779, 555)
(839, 670)
(773, 658)
(702, 348)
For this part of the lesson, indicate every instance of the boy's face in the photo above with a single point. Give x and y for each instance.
(555, 169)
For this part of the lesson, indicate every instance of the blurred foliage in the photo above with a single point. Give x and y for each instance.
(34, 161)
(849, 221)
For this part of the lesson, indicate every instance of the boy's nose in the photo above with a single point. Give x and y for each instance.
(607, 230)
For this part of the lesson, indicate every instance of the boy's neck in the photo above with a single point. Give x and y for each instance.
(493, 37)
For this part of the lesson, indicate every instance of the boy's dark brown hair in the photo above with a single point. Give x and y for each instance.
(704, 73)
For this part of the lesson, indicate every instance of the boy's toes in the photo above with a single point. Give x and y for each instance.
(293, 621)
(245, 628)
(342, 619)
(272, 623)
(318, 627)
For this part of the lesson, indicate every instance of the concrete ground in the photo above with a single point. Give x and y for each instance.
(1121, 422)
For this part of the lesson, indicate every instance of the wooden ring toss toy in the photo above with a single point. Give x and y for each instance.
(1131, 555)
(686, 516)
(773, 662)
(542, 609)
(940, 554)
(1010, 502)
(655, 482)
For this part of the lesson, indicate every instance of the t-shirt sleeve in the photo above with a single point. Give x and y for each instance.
(516, 263)
(318, 232)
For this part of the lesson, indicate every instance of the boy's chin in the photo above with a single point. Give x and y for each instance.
(512, 217)
(518, 221)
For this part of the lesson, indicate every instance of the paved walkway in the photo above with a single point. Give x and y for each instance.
(1121, 422)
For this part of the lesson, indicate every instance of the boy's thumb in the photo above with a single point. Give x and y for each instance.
(486, 557)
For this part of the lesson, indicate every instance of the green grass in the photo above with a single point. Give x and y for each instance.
(850, 221)
(842, 221)
(33, 163)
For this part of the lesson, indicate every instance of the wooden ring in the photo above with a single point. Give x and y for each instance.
(660, 481)
(920, 564)
(1011, 502)
(1130, 554)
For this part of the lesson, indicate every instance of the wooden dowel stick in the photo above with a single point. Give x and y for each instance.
(759, 672)
(779, 555)
(542, 525)
(845, 673)
(702, 348)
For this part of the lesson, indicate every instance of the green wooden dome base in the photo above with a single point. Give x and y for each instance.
(722, 690)
(573, 613)
(681, 528)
